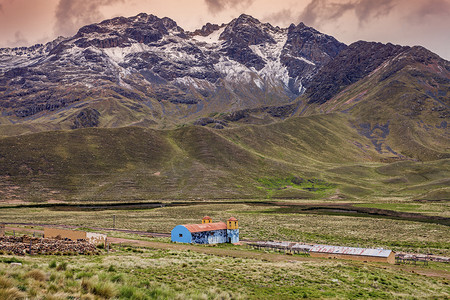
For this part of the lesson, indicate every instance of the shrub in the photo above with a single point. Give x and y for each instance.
(62, 266)
(9, 260)
(127, 292)
(104, 289)
(130, 292)
(36, 274)
(22, 288)
(5, 282)
(87, 285)
(117, 278)
(68, 274)
(161, 292)
(52, 264)
(11, 293)
(111, 268)
(52, 288)
(84, 274)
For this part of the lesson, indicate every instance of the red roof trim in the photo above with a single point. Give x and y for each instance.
(207, 218)
(205, 227)
(232, 219)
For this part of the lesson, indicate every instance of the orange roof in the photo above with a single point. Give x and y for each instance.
(207, 218)
(232, 219)
(205, 227)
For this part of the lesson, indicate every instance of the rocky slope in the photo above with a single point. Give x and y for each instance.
(155, 67)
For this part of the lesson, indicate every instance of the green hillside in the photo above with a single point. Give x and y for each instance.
(316, 157)
(402, 107)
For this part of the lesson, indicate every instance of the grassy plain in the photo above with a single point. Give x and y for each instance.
(258, 222)
(133, 273)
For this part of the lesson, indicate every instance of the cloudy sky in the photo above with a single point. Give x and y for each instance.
(405, 22)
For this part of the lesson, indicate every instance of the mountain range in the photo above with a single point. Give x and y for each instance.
(273, 97)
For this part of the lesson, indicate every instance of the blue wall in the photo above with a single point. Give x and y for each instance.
(204, 237)
(209, 237)
(186, 236)
(233, 235)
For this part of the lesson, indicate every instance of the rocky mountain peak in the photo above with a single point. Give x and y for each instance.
(311, 44)
(246, 30)
(359, 59)
(245, 19)
(122, 32)
(243, 32)
(147, 57)
(206, 29)
(151, 60)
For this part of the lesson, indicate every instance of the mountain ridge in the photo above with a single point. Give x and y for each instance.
(152, 56)
(147, 71)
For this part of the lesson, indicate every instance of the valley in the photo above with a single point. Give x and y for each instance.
(135, 123)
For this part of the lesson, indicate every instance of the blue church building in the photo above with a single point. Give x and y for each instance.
(207, 232)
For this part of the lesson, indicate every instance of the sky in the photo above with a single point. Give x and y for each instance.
(404, 22)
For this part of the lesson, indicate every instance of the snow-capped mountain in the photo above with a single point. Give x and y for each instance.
(148, 71)
(154, 62)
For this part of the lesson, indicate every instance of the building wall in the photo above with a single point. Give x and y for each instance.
(96, 238)
(390, 259)
(64, 233)
(233, 236)
(209, 237)
(181, 234)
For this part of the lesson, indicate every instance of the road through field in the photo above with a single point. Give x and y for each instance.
(246, 254)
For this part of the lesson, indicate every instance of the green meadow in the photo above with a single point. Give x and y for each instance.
(141, 273)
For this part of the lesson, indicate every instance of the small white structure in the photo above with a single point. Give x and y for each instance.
(361, 254)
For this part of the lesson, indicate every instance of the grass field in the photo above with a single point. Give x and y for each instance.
(258, 222)
(134, 273)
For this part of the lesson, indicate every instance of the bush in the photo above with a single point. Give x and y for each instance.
(104, 289)
(9, 260)
(68, 274)
(36, 274)
(52, 264)
(5, 282)
(84, 274)
(127, 292)
(62, 266)
(117, 278)
(87, 285)
(52, 288)
(130, 292)
(11, 293)
(111, 268)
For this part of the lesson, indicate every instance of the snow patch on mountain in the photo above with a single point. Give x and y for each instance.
(118, 54)
(274, 70)
(233, 71)
(213, 38)
(198, 84)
